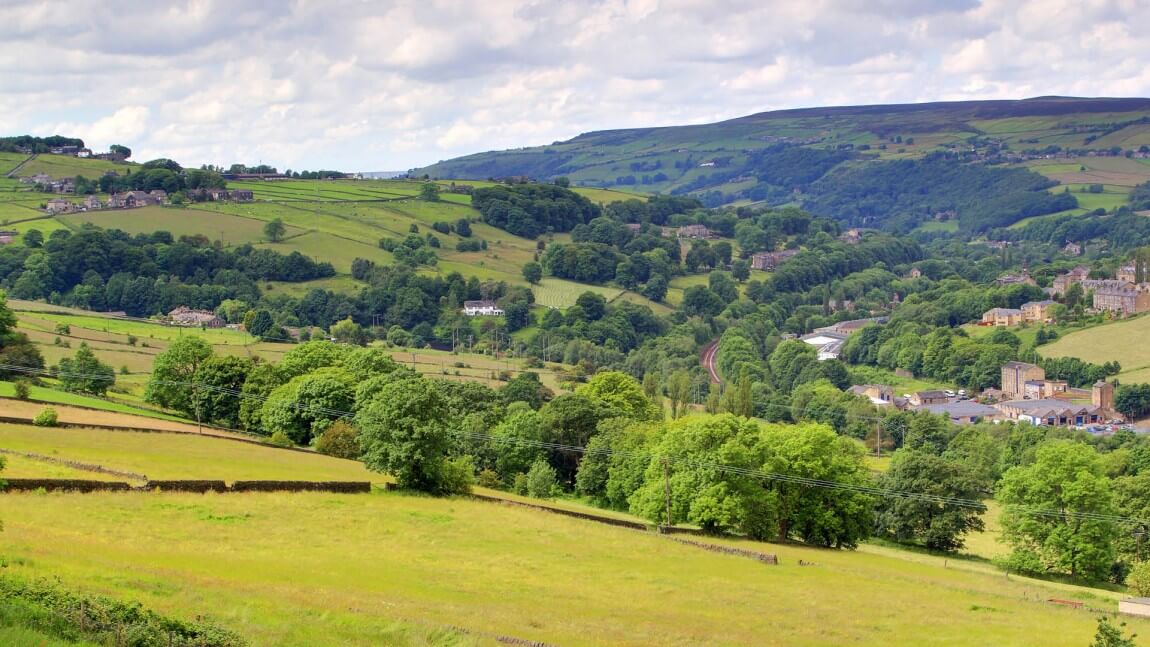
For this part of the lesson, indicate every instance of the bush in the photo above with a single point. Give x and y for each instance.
(489, 478)
(519, 486)
(281, 439)
(1139, 579)
(46, 418)
(22, 389)
(541, 480)
(458, 475)
(340, 440)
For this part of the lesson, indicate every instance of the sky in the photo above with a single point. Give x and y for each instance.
(374, 85)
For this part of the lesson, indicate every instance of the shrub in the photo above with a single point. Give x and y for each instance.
(489, 478)
(281, 439)
(340, 440)
(519, 486)
(1139, 579)
(22, 390)
(458, 475)
(46, 418)
(541, 480)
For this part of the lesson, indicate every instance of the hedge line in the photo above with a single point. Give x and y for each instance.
(74, 617)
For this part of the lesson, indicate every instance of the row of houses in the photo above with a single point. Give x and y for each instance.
(1120, 295)
(1030, 312)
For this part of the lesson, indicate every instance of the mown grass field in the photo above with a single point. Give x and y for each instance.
(67, 166)
(1120, 341)
(190, 221)
(177, 456)
(560, 293)
(324, 569)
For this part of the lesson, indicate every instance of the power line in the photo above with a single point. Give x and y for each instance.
(791, 479)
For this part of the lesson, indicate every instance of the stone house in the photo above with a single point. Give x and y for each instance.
(1002, 317)
(1015, 375)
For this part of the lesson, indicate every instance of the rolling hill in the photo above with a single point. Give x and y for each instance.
(802, 155)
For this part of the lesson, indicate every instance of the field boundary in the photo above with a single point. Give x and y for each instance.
(201, 486)
(765, 558)
(87, 467)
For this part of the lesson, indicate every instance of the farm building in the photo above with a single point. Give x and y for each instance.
(770, 260)
(7, 237)
(481, 309)
(185, 316)
(928, 398)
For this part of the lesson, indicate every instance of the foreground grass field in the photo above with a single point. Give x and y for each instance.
(323, 569)
(331, 569)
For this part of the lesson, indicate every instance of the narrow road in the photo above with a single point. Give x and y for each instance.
(708, 361)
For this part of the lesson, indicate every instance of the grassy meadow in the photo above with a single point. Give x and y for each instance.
(290, 569)
(1115, 341)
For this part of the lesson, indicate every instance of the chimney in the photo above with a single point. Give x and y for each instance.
(1102, 395)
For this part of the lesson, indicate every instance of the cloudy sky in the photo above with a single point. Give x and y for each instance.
(387, 85)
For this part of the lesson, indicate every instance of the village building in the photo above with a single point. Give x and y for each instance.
(481, 309)
(915, 273)
(1015, 375)
(7, 237)
(185, 316)
(1002, 317)
(926, 398)
(92, 203)
(770, 260)
(1127, 273)
(963, 412)
(1119, 297)
(695, 232)
(880, 395)
(1044, 389)
(851, 236)
(829, 343)
(1037, 311)
(60, 205)
(1022, 278)
(1072, 249)
(1051, 412)
(634, 227)
(1062, 282)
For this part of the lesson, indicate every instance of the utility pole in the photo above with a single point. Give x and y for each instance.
(878, 438)
(667, 492)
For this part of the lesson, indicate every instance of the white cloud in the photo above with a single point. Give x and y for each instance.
(387, 85)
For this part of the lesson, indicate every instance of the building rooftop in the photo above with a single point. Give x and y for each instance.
(963, 409)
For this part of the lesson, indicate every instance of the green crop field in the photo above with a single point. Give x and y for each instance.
(559, 293)
(230, 229)
(67, 166)
(340, 569)
(1119, 341)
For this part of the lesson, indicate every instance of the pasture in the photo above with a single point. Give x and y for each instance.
(67, 166)
(227, 228)
(341, 569)
(561, 293)
(1111, 342)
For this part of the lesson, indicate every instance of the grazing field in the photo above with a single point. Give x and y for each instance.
(227, 228)
(1119, 341)
(331, 569)
(560, 293)
(180, 456)
(67, 166)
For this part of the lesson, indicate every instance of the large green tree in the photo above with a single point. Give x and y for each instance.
(621, 393)
(85, 373)
(924, 506)
(404, 432)
(218, 380)
(173, 373)
(305, 406)
(1050, 512)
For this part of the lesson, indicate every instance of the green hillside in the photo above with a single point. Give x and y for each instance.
(769, 156)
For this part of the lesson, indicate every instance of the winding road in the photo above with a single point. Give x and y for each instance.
(708, 360)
